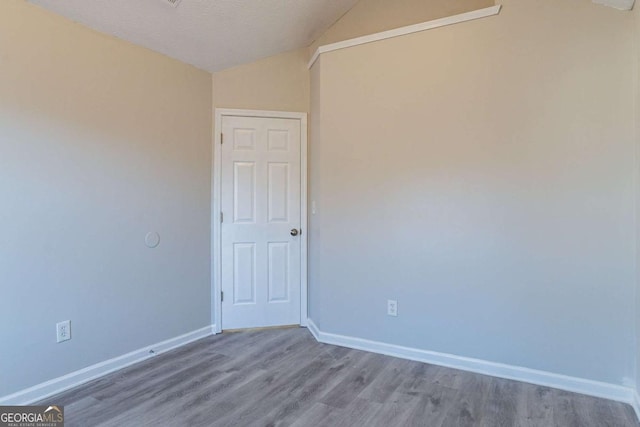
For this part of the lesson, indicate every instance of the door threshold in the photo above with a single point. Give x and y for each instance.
(262, 328)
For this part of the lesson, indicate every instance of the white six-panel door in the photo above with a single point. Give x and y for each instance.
(260, 205)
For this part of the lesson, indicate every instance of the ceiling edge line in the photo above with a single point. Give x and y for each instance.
(402, 31)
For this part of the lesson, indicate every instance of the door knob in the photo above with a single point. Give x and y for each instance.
(294, 232)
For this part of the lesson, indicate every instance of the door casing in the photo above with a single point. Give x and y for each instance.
(216, 191)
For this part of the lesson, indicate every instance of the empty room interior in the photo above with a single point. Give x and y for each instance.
(320, 212)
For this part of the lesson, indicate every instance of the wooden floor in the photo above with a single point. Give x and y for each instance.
(285, 378)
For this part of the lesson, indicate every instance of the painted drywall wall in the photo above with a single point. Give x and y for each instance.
(374, 16)
(100, 142)
(315, 187)
(279, 82)
(482, 175)
(636, 325)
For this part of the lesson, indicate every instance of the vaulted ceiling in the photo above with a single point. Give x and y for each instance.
(210, 34)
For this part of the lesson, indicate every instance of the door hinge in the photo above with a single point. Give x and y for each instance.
(222, 138)
(221, 296)
(221, 217)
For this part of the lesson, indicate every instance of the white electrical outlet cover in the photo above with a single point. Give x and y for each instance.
(392, 307)
(63, 331)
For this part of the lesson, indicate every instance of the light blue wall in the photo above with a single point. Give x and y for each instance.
(636, 15)
(100, 143)
(482, 175)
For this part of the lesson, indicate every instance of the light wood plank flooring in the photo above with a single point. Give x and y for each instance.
(285, 378)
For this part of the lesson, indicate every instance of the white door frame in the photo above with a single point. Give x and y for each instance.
(216, 191)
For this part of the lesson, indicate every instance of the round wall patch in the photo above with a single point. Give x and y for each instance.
(152, 239)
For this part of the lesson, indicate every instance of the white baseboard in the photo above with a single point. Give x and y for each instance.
(74, 379)
(548, 379)
(313, 328)
(533, 376)
(635, 403)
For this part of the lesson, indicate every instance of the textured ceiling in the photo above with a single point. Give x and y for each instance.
(210, 34)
